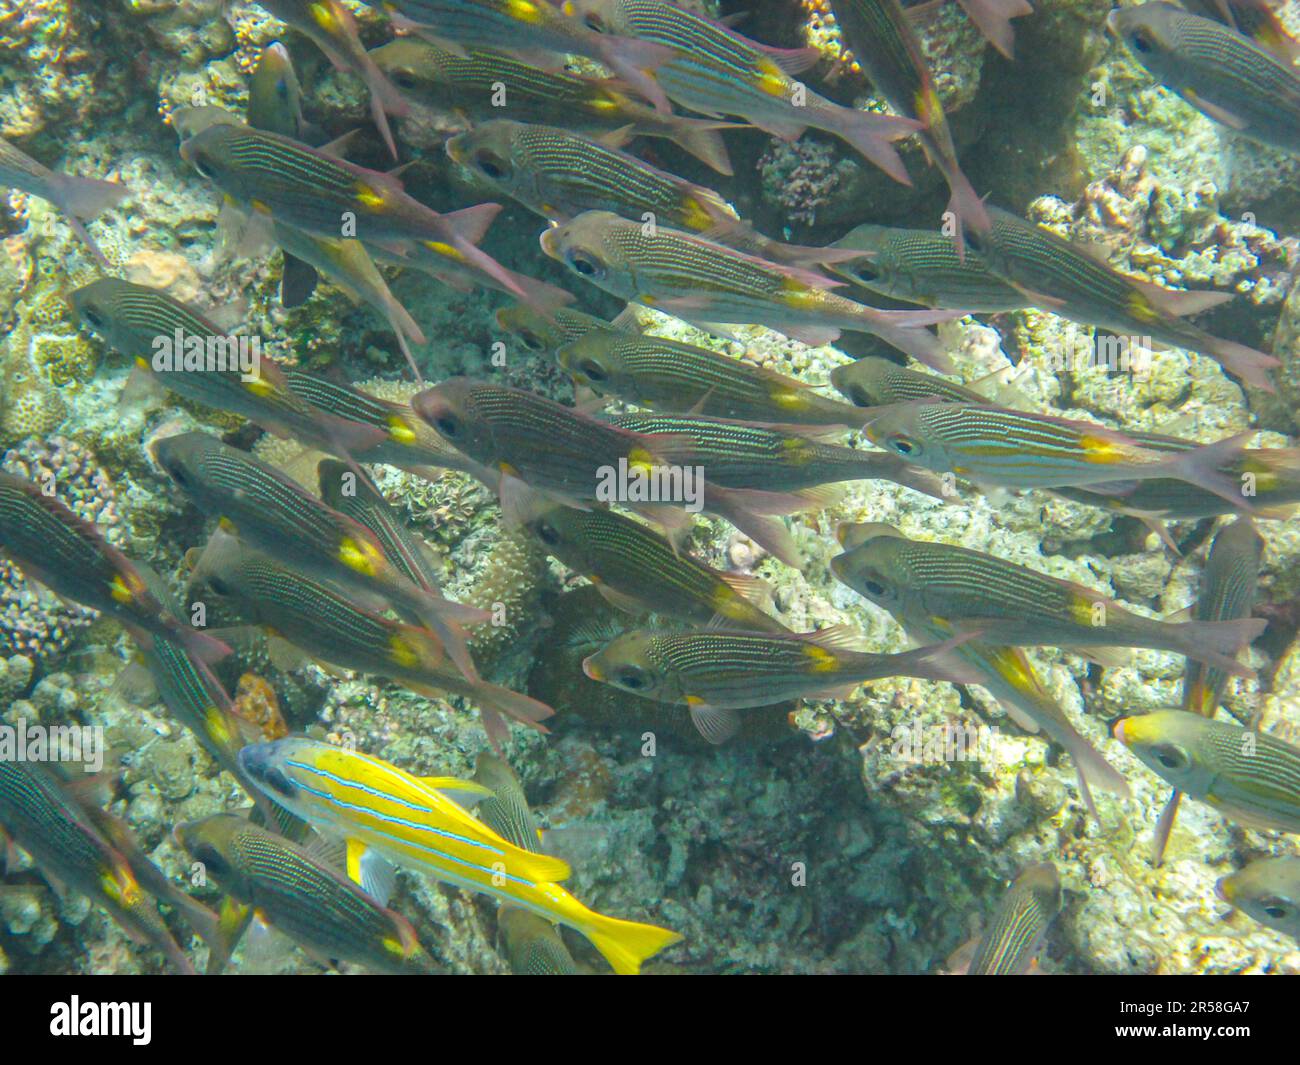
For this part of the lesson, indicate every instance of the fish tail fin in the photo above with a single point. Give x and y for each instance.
(916, 341)
(1164, 828)
(522, 708)
(993, 19)
(635, 62)
(385, 99)
(703, 140)
(766, 530)
(871, 135)
(444, 619)
(87, 197)
(1250, 365)
(626, 944)
(1218, 643)
(1208, 464)
(966, 207)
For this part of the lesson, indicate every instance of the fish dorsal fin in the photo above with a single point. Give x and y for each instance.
(852, 533)
(836, 638)
(627, 320)
(472, 223)
(754, 589)
(464, 793)
(337, 148)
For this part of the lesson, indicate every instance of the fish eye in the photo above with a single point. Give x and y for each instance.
(594, 22)
(874, 587)
(1142, 41)
(211, 858)
(584, 263)
(530, 340)
(219, 586)
(1169, 756)
(904, 445)
(447, 424)
(1278, 909)
(200, 164)
(858, 396)
(592, 370)
(866, 272)
(279, 783)
(547, 533)
(633, 678)
(93, 317)
(404, 79)
(491, 165)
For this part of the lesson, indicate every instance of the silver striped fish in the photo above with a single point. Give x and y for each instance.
(1018, 928)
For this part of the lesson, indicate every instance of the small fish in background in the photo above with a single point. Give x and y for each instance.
(1016, 933)
(705, 283)
(132, 318)
(664, 374)
(1004, 672)
(714, 70)
(889, 52)
(386, 815)
(537, 32)
(1015, 605)
(922, 266)
(271, 512)
(276, 881)
(1256, 19)
(332, 627)
(1268, 891)
(274, 96)
(537, 333)
(532, 944)
(467, 85)
(1227, 591)
(559, 174)
(70, 556)
(1226, 76)
(636, 569)
(77, 197)
(331, 27)
(993, 445)
(308, 188)
(1066, 279)
(1247, 776)
(877, 382)
(716, 673)
(39, 813)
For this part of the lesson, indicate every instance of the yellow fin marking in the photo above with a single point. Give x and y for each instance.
(822, 660)
(360, 556)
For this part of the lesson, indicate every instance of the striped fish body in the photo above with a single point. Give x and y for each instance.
(537, 334)
(1021, 606)
(1249, 777)
(134, 318)
(737, 670)
(273, 513)
(536, 440)
(876, 382)
(762, 458)
(1068, 281)
(506, 810)
(533, 945)
(360, 501)
(629, 561)
(306, 900)
(668, 375)
(70, 556)
(406, 441)
(1228, 585)
(470, 83)
(1018, 927)
(314, 191)
(922, 266)
(1217, 70)
(705, 282)
(1256, 21)
(559, 174)
(412, 822)
(41, 818)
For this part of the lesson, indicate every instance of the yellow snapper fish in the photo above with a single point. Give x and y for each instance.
(387, 815)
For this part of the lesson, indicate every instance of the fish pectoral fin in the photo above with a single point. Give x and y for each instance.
(716, 724)
(629, 604)
(1215, 111)
(376, 876)
(1107, 657)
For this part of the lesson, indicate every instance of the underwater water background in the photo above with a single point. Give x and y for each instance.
(729, 775)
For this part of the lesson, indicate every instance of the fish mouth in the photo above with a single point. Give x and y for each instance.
(1123, 731)
(1112, 21)
(592, 670)
(1222, 889)
(455, 149)
(550, 242)
(837, 563)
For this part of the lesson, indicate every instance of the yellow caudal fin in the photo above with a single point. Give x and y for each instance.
(626, 944)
